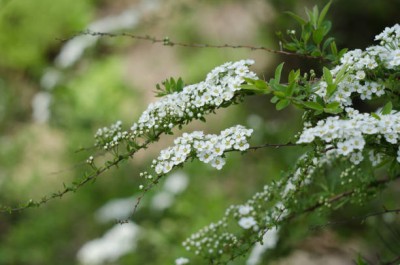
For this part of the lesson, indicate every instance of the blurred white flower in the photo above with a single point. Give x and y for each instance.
(181, 261)
(247, 222)
(41, 107)
(269, 241)
(118, 241)
(117, 209)
(176, 183)
(162, 201)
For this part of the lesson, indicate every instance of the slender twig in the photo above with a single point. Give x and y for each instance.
(167, 42)
(393, 262)
(338, 197)
(356, 218)
(93, 176)
(273, 146)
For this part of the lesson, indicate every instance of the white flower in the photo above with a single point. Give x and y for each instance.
(247, 222)
(360, 75)
(181, 261)
(116, 242)
(398, 155)
(218, 162)
(356, 158)
(245, 209)
(207, 148)
(344, 148)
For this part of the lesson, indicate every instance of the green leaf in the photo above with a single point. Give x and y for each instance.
(315, 15)
(326, 26)
(376, 116)
(341, 75)
(274, 99)
(333, 110)
(324, 11)
(306, 33)
(278, 73)
(280, 94)
(334, 48)
(342, 51)
(282, 104)
(333, 105)
(327, 76)
(330, 89)
(180, 85)
(261, 84)
(290, 89)
(313, 105)
(299, 19)
(318, 35)
(294, 76)
(387, 108)
(327, 42)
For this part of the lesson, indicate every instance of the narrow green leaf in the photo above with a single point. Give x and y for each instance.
(318, 35)
(274, 99)
(330, 89)
(376, 116)
(341, 75)
(324, 11)
(342, 51)
(282, 104)
(332, 105)
(313, 105)
(327, 76)
(327, 42)
(333, 110)
(180, 84)
(314, 18)
(290, 89)
(278, 73)
(292, 77)
(334, 48)
(279, 94)
(326, 26)
(306, 33)
(299, 19)
(261, 84)
(387, 108)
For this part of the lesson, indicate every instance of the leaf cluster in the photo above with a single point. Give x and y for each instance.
(169, 86)
(313, 39)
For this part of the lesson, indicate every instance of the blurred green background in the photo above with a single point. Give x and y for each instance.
(55, 94)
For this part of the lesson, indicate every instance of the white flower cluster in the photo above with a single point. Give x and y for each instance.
(109, 137)
(208, 148)
(256, 216)
(348, 134)
(181, 261)
(118, 241)
(358, 63)
(214, 239)
(390, 39)
(195, 100)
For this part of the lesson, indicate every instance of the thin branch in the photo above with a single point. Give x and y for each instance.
(393, 262)
(338, 197)
(356, 218)
(167, 42)
(273, 146)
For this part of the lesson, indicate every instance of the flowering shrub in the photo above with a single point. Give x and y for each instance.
(333, 127)
(335, 132)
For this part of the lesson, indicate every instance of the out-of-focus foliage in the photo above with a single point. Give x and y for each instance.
(29, 30)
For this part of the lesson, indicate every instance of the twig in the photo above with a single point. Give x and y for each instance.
(356, 218)
(167, 42)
